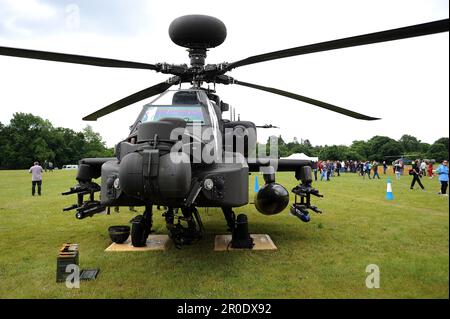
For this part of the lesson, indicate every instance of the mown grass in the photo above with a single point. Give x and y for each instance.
(408, 239)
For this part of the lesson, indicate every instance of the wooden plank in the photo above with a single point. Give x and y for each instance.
(262, 242)
(154, 242)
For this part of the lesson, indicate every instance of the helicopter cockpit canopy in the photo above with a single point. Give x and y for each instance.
(189, 113)
(190, 105)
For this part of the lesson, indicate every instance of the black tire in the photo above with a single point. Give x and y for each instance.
(138, 233)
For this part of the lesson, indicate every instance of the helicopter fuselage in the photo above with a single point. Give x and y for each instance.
(181, 154)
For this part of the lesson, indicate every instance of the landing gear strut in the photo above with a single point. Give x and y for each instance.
(184, 235)
(141, 227)
(230, 217)
(240, 236)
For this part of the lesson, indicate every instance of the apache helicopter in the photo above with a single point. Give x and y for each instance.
(145, 172)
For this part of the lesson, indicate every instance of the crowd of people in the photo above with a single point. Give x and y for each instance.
(423, 168)
(327, 169)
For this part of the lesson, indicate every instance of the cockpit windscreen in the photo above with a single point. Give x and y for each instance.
(189, 113)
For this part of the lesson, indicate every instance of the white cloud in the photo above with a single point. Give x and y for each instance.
(28, 9)
(16, 12)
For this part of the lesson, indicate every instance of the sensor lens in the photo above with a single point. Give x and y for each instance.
(208, 184)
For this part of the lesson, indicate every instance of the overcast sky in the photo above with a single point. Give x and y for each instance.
(405, 82)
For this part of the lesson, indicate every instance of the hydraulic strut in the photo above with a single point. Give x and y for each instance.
(184, 235)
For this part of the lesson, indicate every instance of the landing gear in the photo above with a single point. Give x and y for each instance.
(141, 227)
(184, 235)
(230, 217)
(240, 236)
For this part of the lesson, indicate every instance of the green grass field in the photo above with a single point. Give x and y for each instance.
(408, 239)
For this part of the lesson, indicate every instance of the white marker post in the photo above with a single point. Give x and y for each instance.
(389, 195)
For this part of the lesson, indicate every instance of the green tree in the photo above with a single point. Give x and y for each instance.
(29, 138)
(444, 141)
(410, 144)
(307, 143)
(361, 148)
(94, 145)
(26, 135)
(424, 147)
(3, 144)
(41, 150)
(389, 150)
(438, 152)
(381, 146)
(353, 155)
(334, 152)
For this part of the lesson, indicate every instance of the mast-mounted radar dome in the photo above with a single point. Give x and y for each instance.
(197, 31)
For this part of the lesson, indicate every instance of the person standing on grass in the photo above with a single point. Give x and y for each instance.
(415, 172)
(338, 168)
(423, 168)
(384, 167)
(402, 167)
(361, 168)
(330, 165)
(430, 169)
(442, 171)
(375, 169)
(320, 167)
(36, 178)
(330, 169)
(324, 171)
(366, 169)
(397, 170)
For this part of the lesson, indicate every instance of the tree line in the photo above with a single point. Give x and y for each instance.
(28, 138)
(377, 148)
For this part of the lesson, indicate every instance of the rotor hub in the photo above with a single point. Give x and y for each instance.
(197, 58)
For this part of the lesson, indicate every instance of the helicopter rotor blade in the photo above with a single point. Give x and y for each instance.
(73, 58)
(267, 126)
(305, 99)
(133, 98)
(370, 38)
